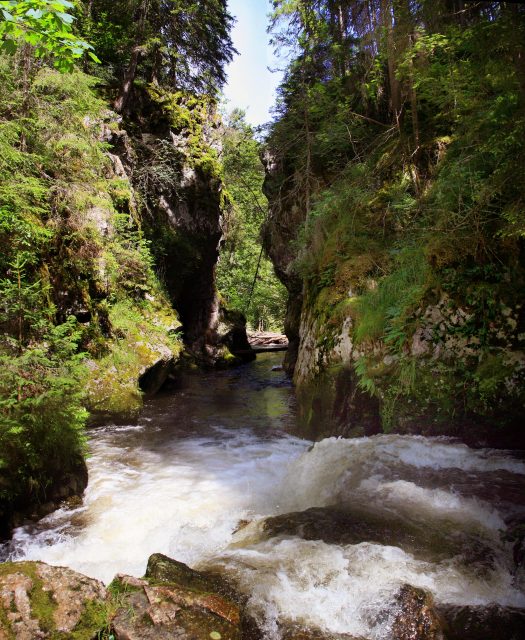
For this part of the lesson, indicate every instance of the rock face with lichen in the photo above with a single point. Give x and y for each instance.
(171, 601)
(169, 165)
(40, 601)
(174, 160)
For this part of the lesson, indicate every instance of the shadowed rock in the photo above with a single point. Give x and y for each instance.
(483, 623)
(296, 632)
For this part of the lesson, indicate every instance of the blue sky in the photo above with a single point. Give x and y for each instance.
(250, 86)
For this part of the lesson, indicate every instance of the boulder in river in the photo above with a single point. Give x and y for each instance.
(40, 601)
(353, 524)
(416, 617)
(233, 336)
(174, 601)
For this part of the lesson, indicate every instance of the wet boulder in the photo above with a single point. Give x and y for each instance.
(353, 524)
(415, 616)
(40, 601)
(492, 622)
(515, 534)
(174, 601)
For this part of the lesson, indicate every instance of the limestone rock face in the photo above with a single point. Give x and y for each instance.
(40, 601)
(451, 363)
(177, 172)
(174, 601)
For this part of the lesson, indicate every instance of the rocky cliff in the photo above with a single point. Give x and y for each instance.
(165, 153)
(431, 349)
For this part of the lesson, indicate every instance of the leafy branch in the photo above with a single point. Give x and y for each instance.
(47, 26)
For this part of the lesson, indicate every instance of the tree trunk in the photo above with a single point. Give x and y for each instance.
(413, 101)
(395, 89)
(129, 76)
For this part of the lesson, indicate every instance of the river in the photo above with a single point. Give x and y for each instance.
(197, 474)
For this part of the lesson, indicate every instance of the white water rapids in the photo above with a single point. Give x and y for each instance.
(217, 452)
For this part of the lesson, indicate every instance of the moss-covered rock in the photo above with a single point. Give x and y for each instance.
(232, 335)
(140, 356)
(173, 600)
(40, 601)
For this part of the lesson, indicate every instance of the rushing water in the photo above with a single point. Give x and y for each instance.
(389, 509)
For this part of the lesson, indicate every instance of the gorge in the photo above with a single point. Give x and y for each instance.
(371, 487)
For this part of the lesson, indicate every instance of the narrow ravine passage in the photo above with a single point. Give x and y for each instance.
(198, 475)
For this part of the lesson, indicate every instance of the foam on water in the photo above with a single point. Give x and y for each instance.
(184, 502)
(409, 498)
(183, 495)
(348, 589)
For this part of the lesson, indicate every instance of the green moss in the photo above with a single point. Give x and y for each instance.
(226, 359)
(5, 625)
(184, 111)
(209, 165)
(117, 588)
(42, 604)
(95, 621)
(143, 333)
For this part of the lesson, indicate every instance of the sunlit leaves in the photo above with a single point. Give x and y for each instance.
(46, 25)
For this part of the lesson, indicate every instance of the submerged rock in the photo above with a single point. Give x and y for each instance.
(174, 601)
(40, 601)
(483, 623)
(296, 632)
(353, 524)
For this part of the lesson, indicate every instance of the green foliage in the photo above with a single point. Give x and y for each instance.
(175, 45)
(383, 311)
(73, 253)
(45, 25)
(402, 152)
(245, 276)
(41, 412)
